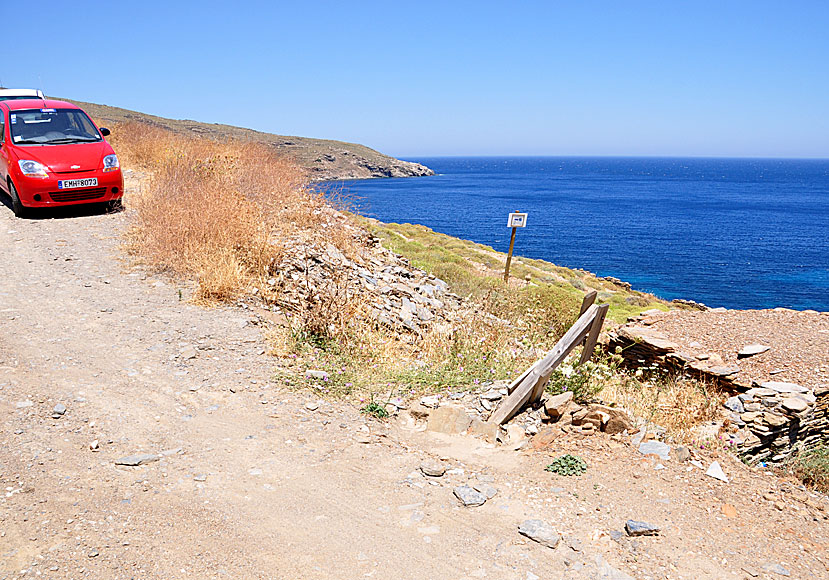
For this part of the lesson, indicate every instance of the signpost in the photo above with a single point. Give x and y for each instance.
(515, 220)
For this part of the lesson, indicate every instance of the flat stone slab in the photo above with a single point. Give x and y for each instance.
(752, 349)
(716, 472)
(784, 387)
(134, 460)
(657, 448)
(795, 404)
(636, 528)
(469, 496)
(724, 371)
(539, 531)
(432, 468)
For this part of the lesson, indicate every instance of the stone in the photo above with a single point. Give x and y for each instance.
(135, 460)
(716, 472)
(729, 510)
(484, 429)
(780, 387)
(636, 528)
(619, 422)
(492, 395)
(468, 496)
(449, 419)
(735, 404)
(59, 410)
(774, 420)
(188, 352)
(795, 404)
(486, 489)
(776, 568)
(23, 404)
(555, 406)
(752, 349)
(515, 434)
(431, 401)
(682, 453)
(94, 445)
(316, 374)
(545, 438)
(724, 371)
(656, 448)
(432, 468)
(312, 406)
(539, 531)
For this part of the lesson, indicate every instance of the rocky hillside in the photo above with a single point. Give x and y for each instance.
(324, 159)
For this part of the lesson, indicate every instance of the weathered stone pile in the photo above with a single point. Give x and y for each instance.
(387, 288)
(766, 420)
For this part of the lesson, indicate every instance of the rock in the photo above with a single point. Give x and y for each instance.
(716, 472)
(134, 460)
(657, 448)
(724, 371)
(751, 350)
(431, 402)
(59, 410)
(492, 395)
(780, 387)
(432, 468)
(539, 531)
(485, 489)
(682, 453)
(23, 404)
(545, 438)
(515, 434)
(795, 404)
(618, 422)
(555, 406)
(776, 568)
(774, 420)
(735, 404)
(312, 406)
(188, 352)
(316, 374)
(729, 510)
(449, 419)
(469, 496)
(488, 431)
(635, 528)
(94, 445)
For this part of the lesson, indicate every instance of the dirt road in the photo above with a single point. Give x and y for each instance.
(253, 481)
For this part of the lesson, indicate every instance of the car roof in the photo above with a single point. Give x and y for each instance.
(38, 104)
(21, 93)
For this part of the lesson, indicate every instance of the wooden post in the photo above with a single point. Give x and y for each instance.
(509, 255)
(588, 301)
(593, 335)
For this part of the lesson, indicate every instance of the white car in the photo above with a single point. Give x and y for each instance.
(12, 94)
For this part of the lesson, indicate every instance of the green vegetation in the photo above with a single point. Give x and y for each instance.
(812, 467)
(584, 380)
(375, 409)
(568, 465)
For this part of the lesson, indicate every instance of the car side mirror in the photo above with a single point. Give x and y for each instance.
(104, 131)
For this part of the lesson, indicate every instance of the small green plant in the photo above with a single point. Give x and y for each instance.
(567, 465)
(812, 467)
(375, 409)
(584, 380)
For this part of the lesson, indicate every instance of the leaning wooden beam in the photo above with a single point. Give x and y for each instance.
(587, 301)
(593, 335)
(532, 385)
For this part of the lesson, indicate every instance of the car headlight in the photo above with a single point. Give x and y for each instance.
(32, 168)
(111, 163)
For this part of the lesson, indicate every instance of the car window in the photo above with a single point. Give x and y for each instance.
(51, 127)
(2, 126)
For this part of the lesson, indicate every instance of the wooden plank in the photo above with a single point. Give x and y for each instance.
(588, 301)
(532, 385)
(593, 335)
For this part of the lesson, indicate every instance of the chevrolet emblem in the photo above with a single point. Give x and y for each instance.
(75, 167)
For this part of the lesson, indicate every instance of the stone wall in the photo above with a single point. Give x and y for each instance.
(766, 421)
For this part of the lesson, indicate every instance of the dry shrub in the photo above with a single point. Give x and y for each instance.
(675, 402)
(218, 211)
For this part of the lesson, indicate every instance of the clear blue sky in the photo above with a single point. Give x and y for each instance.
(723, 78)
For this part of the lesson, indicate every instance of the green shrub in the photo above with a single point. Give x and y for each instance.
(567, 465)
(812, 467)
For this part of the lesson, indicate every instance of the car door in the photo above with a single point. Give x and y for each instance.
(4, 153)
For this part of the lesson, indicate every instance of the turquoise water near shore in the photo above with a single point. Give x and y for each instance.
(739, 233)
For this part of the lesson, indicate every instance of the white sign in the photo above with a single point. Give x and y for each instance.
(517, 220)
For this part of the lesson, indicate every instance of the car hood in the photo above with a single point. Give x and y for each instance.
(68, 158)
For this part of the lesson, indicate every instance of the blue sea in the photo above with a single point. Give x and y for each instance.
(738, 233)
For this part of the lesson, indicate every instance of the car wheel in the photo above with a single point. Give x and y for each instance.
(18, 208)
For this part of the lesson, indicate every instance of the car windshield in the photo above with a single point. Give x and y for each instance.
(51, 127)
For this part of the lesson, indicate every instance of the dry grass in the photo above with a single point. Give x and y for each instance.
(675, 402)
(218, 211)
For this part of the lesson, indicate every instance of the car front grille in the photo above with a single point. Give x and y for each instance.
(78, 194)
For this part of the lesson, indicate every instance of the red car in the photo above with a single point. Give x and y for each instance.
(52, 154)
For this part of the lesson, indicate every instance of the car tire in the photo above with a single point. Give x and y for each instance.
(18, 208)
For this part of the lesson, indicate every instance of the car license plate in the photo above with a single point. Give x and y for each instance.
(73, 183)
